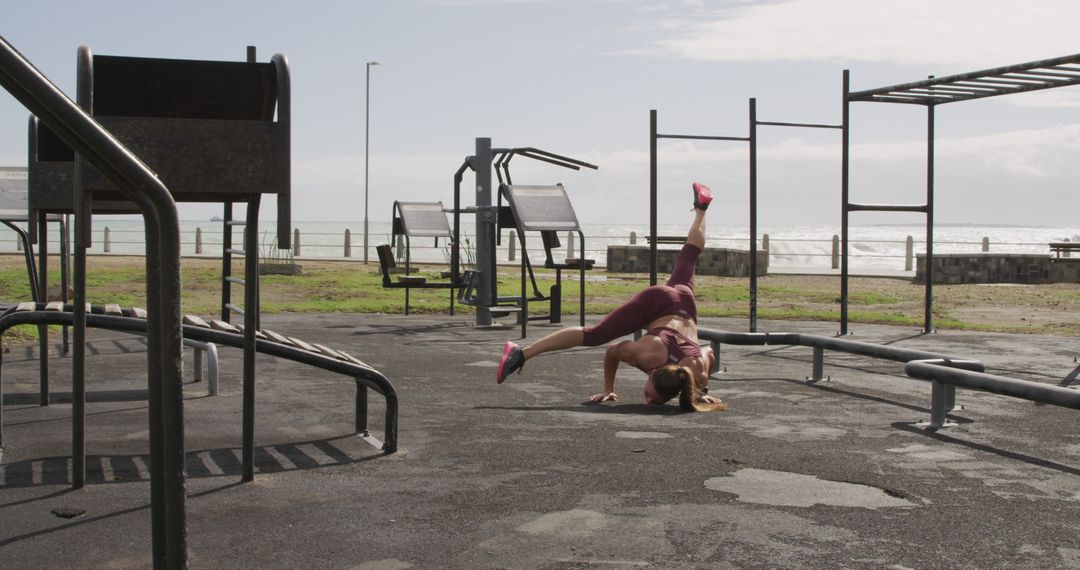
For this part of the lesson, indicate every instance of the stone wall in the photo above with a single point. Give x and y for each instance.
(953, 268)
(712, 261)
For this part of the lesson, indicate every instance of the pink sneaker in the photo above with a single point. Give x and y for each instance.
(702, 196)
(512, 359)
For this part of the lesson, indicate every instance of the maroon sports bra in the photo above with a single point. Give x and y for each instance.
(677, 344)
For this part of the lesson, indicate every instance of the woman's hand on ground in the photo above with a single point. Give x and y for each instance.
(707, 399)
(603, 397)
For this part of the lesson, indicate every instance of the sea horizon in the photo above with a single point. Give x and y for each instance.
(873, 247)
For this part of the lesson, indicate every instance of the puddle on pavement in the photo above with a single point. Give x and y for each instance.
(642, 435)
(783, 489)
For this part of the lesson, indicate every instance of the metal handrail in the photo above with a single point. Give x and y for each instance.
(364, 376)
(940, 373)
(942, 396)
(139, 184)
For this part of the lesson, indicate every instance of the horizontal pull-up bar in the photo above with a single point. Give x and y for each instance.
(802, 125)
(851, 207)
(702, 138)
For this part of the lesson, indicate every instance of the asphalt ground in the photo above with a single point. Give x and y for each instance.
(837, 474)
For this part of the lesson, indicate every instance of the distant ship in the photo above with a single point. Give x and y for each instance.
(216, 219)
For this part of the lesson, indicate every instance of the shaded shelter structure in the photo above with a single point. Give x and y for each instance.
(930, 93)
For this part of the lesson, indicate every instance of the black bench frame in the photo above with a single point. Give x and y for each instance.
(401, 228)
(549, 237)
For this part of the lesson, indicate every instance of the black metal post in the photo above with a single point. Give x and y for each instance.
(928, 321)
(455, 249)
(42, 296)
(65, 269)
(753, 215)
(487, 284)
(845, 200)
(226, 261)
(581, 274)
(653, 259)
(75, 127)
(251, 324)
(361, 416)
(524, 314)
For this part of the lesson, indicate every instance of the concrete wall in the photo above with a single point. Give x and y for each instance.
(712, 261)
(998, 268)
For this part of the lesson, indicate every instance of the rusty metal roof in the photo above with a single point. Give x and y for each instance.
(1020, 78)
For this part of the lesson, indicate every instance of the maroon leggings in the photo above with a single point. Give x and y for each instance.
(675, 298)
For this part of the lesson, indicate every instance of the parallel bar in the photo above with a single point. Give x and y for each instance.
(882, 351)
(802, 125)
(887, 208)
(1034, 391)
(701, 137)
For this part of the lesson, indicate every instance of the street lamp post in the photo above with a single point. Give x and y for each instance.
(367, 123)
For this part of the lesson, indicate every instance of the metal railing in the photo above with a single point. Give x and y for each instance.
(140, 185)
(346, 245)
(943, 396)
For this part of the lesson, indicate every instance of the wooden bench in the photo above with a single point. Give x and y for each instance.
(1064, 247)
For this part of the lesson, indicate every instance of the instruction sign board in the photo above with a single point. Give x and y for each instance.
(424, 219)
(542, 208)
(13, 184)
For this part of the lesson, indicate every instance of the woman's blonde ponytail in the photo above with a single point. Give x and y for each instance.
(688, 395)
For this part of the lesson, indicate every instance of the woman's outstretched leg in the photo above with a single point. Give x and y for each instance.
(702, 198)
(696, 235)
(682, 273)
(514, 356)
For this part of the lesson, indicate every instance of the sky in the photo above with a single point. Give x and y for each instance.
(578, 78)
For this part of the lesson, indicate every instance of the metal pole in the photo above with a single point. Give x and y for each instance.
(928, 325)
(251, 324)
(652, 197)
(844, 199)
(139, 184)
(753, 214)
(367, 139)
(486, 287)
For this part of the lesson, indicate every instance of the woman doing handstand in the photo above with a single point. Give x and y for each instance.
(668, 351)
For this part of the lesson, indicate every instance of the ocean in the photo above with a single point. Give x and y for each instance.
(792, 248)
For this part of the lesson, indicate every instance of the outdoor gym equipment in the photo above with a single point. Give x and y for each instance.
(545, 209)
(197, 118)
(1020, 78)
(752, 139)
(416, 220)
(488, 218)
